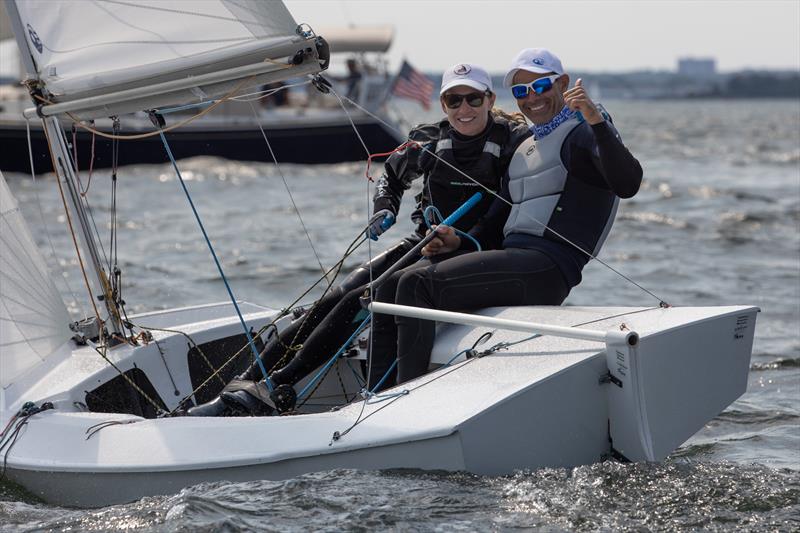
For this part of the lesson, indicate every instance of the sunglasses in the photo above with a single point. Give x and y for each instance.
(540, 86)
(453, 101)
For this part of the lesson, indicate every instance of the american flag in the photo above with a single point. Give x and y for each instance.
(412, 84)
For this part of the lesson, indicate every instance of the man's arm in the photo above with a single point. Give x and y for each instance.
(621, 171)
(618, 170)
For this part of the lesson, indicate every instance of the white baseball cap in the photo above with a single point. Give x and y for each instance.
(538, 60)
(467, 74)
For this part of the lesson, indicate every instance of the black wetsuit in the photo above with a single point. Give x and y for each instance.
(522, 269)
(310, 340)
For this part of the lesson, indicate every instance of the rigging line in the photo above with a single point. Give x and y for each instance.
(317, 378)
(528, 215)
(351, 249)
(156, 405)
(292, 348)
(166, 366)
(72, 231)
(216, 261)
(44, 222)
(192, 344)
(91, 166)
(462, 364)
(182, 123)
(368, 208)
(264, 94)
(286, 185)
(347, 113)
(85, 199)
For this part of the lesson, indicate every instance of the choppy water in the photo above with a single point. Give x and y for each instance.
(717, 222)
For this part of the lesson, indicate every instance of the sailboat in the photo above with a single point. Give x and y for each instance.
(82, 404)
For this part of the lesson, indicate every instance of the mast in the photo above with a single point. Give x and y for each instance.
(79, 220)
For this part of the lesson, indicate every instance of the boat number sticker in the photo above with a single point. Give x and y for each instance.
(622, 367)
(742, 322)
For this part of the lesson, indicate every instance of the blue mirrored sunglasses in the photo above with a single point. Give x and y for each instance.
(540, 86)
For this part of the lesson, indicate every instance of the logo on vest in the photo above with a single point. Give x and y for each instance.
(531, 149)
(462, 70)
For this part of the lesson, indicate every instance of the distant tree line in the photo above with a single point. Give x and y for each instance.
(761, 85)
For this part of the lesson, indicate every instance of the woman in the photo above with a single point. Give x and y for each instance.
(471, 141)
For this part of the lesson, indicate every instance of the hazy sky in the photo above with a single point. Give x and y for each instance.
(587, 35)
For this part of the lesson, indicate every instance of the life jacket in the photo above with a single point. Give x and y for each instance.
(543, 195)
(446, 188)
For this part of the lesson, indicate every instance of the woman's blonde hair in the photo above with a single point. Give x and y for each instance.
(517, 117)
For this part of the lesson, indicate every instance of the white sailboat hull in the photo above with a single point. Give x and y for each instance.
(539, 403)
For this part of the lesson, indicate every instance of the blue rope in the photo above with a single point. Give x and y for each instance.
(333, 359)
(219, 267)
(435, 211)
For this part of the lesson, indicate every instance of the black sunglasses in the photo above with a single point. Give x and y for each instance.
(453, 101)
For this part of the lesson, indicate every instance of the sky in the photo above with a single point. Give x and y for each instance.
(595, 36)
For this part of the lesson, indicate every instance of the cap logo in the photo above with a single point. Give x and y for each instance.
(462, 70)
(538, 61)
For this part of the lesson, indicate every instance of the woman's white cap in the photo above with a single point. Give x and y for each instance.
(467, 74)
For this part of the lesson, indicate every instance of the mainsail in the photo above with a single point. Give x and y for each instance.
(79, 50)
(33, 318)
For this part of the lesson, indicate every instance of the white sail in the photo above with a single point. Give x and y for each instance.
(33, 318)
(79, 49)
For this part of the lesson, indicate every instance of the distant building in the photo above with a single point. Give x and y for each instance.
(697, 67)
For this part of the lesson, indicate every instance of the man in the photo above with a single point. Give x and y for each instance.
(557, 207)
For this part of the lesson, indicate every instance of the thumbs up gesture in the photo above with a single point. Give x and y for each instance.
(577, 100)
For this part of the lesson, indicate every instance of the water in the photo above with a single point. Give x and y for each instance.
(717, 222)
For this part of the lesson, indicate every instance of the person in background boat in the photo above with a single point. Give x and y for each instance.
(353, 80)
(276, 99)
(473, 138)
(558, 203)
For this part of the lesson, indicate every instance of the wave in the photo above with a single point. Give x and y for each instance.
(735, 416)
(677, 494)
(778, 364)
(647, 217)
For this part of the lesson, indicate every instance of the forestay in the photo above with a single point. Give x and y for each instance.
(33, 318)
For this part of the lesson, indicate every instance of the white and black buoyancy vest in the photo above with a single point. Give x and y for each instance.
(446, 188)
(542, 195)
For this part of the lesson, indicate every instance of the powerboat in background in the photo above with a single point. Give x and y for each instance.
(302, 124)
